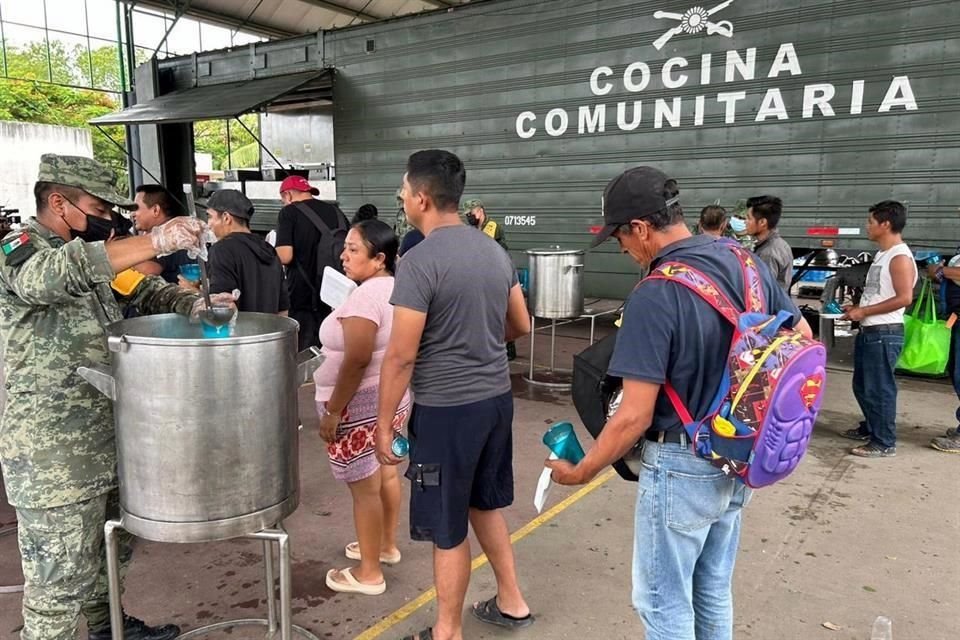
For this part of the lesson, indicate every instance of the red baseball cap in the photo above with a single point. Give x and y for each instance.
(297, 183)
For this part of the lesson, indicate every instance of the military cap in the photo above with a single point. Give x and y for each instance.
(470, 205)
(87, 174)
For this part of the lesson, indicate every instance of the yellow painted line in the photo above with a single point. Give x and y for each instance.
(430, 594)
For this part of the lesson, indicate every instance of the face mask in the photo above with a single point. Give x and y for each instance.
(739, 225)
(473, 220)
(98, 230)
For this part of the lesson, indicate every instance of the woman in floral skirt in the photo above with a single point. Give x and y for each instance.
(354, 338)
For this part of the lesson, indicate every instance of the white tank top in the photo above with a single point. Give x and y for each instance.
(879, 285)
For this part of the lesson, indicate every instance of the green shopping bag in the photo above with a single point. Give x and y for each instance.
(926, 339)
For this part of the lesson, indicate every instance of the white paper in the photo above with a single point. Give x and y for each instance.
(543, 486)
(335, 287)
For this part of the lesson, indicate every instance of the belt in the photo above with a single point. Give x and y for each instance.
(882, 328)
(671, 437)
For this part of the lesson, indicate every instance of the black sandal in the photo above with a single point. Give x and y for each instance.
(426, 634)
(490, 613)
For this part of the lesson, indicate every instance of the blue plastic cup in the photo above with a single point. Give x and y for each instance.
(190, 272)
(400, 446)
(562, 440)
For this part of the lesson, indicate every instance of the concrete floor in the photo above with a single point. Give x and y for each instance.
(842, 541)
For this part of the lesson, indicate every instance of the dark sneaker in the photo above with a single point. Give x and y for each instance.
(855, 434)
(134, 629)
(874, 450)
(947, 445)
(952, 432)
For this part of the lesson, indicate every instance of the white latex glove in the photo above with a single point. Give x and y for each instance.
(180, 233)
(217, 300)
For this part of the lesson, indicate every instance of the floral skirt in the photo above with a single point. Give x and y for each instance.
(353, 453)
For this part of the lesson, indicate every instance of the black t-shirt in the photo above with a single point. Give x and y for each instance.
(671, 333)
(171, 265)
(246, 262)
(294, 229)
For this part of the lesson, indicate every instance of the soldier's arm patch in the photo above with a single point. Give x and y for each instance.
(127, 282)
(17, 249)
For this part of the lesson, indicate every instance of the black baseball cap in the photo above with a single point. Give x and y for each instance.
(633, 195)
(231, 201)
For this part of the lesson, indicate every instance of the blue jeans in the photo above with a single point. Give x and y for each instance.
(874, 385)
(685, 545)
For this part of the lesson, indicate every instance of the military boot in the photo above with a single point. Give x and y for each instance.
(134, 629)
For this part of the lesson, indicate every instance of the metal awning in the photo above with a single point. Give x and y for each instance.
(227, 100)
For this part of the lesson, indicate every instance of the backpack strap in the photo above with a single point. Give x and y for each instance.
(707, 290)
(701, 285)
(752, 282)
(318, 222)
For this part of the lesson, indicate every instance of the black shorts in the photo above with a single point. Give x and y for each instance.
(461, 458)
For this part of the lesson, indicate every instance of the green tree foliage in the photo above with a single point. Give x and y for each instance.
(211, 137)
(29, 94)
(31, 98)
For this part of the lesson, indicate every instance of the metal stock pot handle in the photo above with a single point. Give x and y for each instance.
(116, 344)
(308, 362)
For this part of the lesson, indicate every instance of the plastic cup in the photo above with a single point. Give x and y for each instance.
(400, 446)
(190, 272)
(562, 440)
(216, 322)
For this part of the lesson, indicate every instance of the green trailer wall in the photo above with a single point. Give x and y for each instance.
(478, 80)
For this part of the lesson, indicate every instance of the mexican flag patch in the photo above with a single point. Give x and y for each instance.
(11, 245)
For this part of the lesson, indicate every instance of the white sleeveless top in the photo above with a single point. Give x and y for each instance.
(879, 286)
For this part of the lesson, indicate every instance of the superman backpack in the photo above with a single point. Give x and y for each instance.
(761, 419)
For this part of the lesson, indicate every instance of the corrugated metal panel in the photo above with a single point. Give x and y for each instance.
(461, 81)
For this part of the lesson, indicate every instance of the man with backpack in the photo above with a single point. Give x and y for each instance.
(687, 523)
(310, 237)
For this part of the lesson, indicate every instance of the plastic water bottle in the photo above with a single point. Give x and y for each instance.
(882, 629)
(400, 446)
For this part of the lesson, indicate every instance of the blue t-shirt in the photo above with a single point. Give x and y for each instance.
(671, 333)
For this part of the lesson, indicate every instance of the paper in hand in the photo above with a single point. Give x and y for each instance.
(543, 486)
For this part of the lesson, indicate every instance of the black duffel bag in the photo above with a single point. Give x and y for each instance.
(593, 390)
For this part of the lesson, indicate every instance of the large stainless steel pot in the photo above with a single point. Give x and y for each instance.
(556, 282)
(207, 438)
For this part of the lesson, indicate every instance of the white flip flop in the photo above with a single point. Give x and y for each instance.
(352, 551)
(352, 585)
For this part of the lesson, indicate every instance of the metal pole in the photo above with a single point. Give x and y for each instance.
(279, 164)
(113, 578)
(229, 148)
(533, 333)
(271, 590)
(286, 610)
(553, 344)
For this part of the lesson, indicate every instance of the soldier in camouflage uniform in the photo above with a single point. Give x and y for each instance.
(57, 447)
(401, 226)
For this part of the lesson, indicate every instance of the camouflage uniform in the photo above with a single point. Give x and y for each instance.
(401, 226)
(490, 227)
(57, 447)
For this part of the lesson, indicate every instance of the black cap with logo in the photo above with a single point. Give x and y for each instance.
(633, 195)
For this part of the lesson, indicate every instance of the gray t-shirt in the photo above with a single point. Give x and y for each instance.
(461, 279)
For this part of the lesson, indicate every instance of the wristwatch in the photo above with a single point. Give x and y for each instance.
(938, 274)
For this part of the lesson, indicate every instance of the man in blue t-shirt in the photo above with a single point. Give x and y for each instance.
(687, 526)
